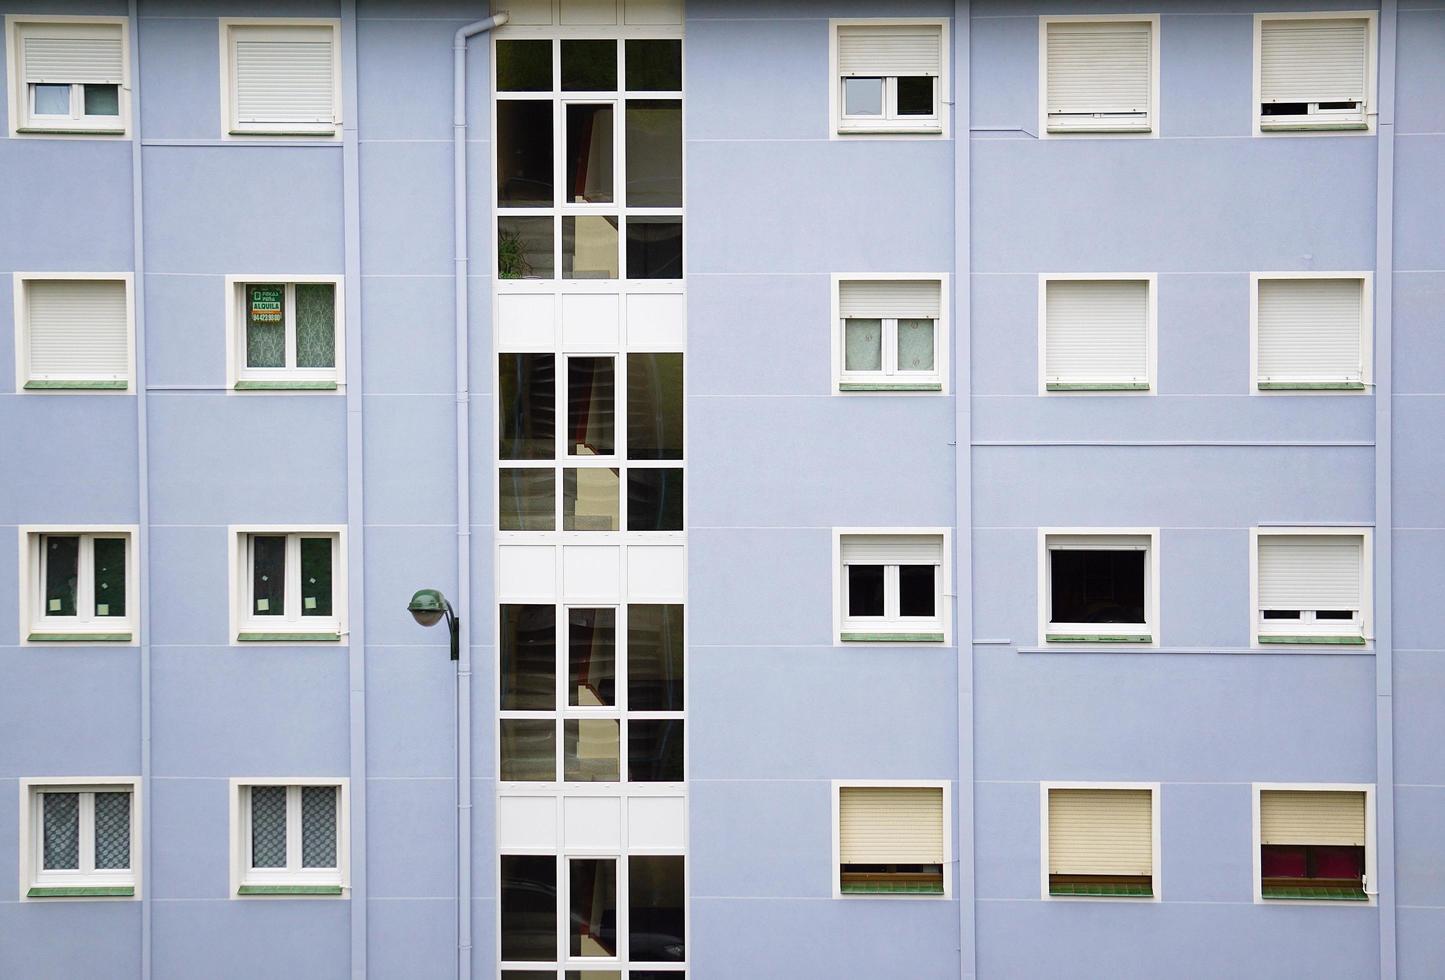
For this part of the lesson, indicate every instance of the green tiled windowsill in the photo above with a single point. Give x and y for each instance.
(48, 131)
(1311, 386)
(285, 133)
(76, 385)
(287, 637)
(1102, 890)
(892, 637)
(77, 891)
(887, 386)
(1318, 893)
(1092, 638)
(892, 888)
(80, 637)
(286, 386)
(1351, 641)
(1313, 127)
(289, 890)
(1098, 386)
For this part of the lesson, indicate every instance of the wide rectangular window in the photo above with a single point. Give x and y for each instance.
(890, 840)
(1311, 587)
(1100, 75)
(289, 838)
(890, 587)
(73, 333)
(1314, 71)
(78, 585)
(69, 76)
(889, 77)
(282, 77)
(80, 838)
(1313, 844)
(288, 586)
(1097, 334)
(890, 335)
(1101, 841)
(286, 335)
(1098, 587)
(1311, 333)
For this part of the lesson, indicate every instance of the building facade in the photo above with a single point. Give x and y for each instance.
(926, 489)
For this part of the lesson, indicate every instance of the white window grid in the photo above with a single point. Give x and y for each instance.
(25, 121)
(237, 289)
(87, 874)
(1359, 118)
(1310, 624)
(292, 620)
(85, 619)
(1072, 539)
(890, 370)
(275, 28)
(243, 873)
(927, 382)
(892, 619)
(890, 122)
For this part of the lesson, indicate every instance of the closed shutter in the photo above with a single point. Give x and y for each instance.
(1330, 817)
(1304, 571)
(880, 299)
(284, 75)
(1101, 832)
(69, 54)
(1095, 67)
(889, 49)
(892, 549)
(77, 329)
(1313, 60)
(1097, 331)
(1309, 329)
(890, 825)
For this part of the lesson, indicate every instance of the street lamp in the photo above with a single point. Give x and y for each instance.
(428, 606)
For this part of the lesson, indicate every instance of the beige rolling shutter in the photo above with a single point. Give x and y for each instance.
(890, 824)
(878, 299)
(1309, 329)
(892, 549)
(1097, 331)
(1098, 67)
(67, 54)
(284, 74)
(1313, 60)
(77, 329)
(871, 50)
(1304, 571)
(1312, 817)
(1101, 832)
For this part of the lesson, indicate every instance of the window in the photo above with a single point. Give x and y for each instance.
(289, 836)
(1314, 71)
(74, 333)
(888, 77)
(79, 838)
(281, 77)
(1311, 585)
(289, 585)
(69, 76)
(77, 584)
(891, 839)
(1311, 331)
(889, 334)
(890, 587)
(1314, 843)
(285, 335)
(1100, 75)
(1100, 840)
(1096, 333)
(1098, 586)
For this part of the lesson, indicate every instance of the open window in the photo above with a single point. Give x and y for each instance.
(69, 75)
(1314, 843)
(1098, 587)
(1314, 71)
(1101, 75)
(890, 334)
(1101, 841)
(1311, 586)
(889, 77)
(1311, 332)
(891, 587)
(891, 839)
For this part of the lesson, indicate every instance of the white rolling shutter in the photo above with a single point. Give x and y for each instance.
(892, 549)
(879, 299)
(1096, 331)
(1313, 60)
(1101, 832)
(1310, 329)
(77, 329)
(1330, 817)
(1306, 571)
(284, 75)
(69, 54)
(890, 825)
(874, 50)
(1099, 67)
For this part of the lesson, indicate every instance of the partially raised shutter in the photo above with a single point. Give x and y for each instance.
(892, 549)
(68, 54)
(890, 825)
(77, 329)
(1101, 832)
(878, 299)
(1309, 329)
(284, 75)
(1097, 331)
(1308, 571)
(872, 50)
(1330, 817)
(1313, 60)
(1099, 67)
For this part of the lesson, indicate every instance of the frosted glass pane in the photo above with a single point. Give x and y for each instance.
(863, 96)
(268, 826)
(863, 345)
(315, 325)
(112, 830)
(62, 831)
(915, 345)
(265, 325)
(102, 100)
(52, 100)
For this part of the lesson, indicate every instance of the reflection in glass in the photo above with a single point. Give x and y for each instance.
(524, 153)
(528, 658)
(654, 750)
(590, 750)
(527, 396)
(862, 345)
(657, 897)
(592, 657)
(526, 499)
(654, 406)
(589, 66)
(529, 907)
(524, 66)
(654, 500)
(592, 926)
(591, 410)
(315, 324)
(654, 66)
(62, 573)
(110, 576)
(524, 248)
(316, 576)
(915, 345)
(589, 154)
(654, 248)
(654, 658)
(529, 749)
(589, 247)
(268, 574)
(863, 96)
(590, 500)
(654, 153)
(102, 100)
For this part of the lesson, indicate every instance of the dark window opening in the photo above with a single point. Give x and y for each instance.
(1117, 885)
(654, 248)
(1334, 614)
(657, 905)
(527, 396)
(1096, 586)
(865, 590)
(654, 66)
(915, 590)
(885, 879)
(654, 751)
(1281, 614)
(589, 66)
(524, 154)
(1312, 871)
(529, 907)
(654, 500)
(1339, 105)
(524, 66)
(1285, 108)
(529, 658)
(915, 95)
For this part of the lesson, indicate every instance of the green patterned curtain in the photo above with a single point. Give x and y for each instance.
(315, 325)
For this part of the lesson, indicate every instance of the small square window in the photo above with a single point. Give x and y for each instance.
(890, 335)
(1311, 586)
(288, 586)
(1314, 843)
(73, 333)
(79, 838)
(1101, 75)
(1314, 72)
(890, 587)
(1098, 587)
(78, 585)
(891, 840)
(1101, 841)
(1096, 334)
(286, 335)
(1312, 333)
(289, 838)
(69, 77)
(282, 78)
(889, 77)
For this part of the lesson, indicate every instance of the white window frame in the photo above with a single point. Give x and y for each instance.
(940, 624)
(32, 839)
(239, 377)
(1157, 885)
(890, 380)
(292, 627)
(1362, 626)
(69, 384)
(1326, 122)
(1101, 539)
(1103, 387)
(835, 867)
(1367, 333)
(1102, 124)
(231, 129)
(890, 124)
(243, 875)
(77, 629)
(25, 125)
(1371, 887)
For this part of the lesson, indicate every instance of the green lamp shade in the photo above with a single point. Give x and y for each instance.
(427, 606)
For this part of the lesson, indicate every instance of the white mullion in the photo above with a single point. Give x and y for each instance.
(559, 164)
(85, 580)
(288, 308)
(291, 580)
(293, 829)
(623, 918)
(561, 642)
(890, 346)
(86, 810)
(890, 593)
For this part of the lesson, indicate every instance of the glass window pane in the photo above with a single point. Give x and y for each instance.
(61, 847)
(591, 408)
(52, 100)
(1096, 586)
(589, 247)
(527, 499)
(529, 658)
(654, 153)
(592, 926)
(915, 590)
(110, 576)
(654, 248)
(62, 573)
(654, 500)
(316, 577)
(529, 907)
(654, 750)
(863, 96)
(657, 900)
(268, 826)
(915, 345)
(865, 590)
(112, 831)
(102, 100)
(654, 406)
(590, 500)
(592, 656)
(524, 248)
(862, 345)
(524, 153)
(654, 658)
(268, 574)
(589, 154)
(590, 750)
(265, 325)
(529, 749)
(915, 95)
(527, 385)
(318, 826)
(589, 66)
(599, 975)
(524, 66)
(315, 325)
(654, 66)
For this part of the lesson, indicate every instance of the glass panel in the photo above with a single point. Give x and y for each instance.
(590, 500)
(592, 656)
(1283, 861)
(265, 324)
(654, 500)
(589, 247)
(61, 846)
(654, 153)
(268, 574)
(591, 408)
(862, 345)
(524, 248)
(52, 100)
(654, 406)
(529, 907)
(589, 66)
(654, 248)
(112, 831)
(528, 396)
(529, 749)
(603, 975)
(318, 826)
(654, 66)
(654, 751)
(109, 577)
(915, 590)
(590, 750)
(1096, 586)
(527, 500)
(102, 100)
(654, 658)
(592, 888)
(316, 576)
(915, 95)
(589, 154)
(915, 345)
(62, 573)
(529, 658)
(863, 96)
(315, 325)
(865, 590)
(524, 66)
(268, 826)
(657, 896)
(1337, 861)
(524, 154)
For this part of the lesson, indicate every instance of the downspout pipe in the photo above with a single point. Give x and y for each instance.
(464, 489)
